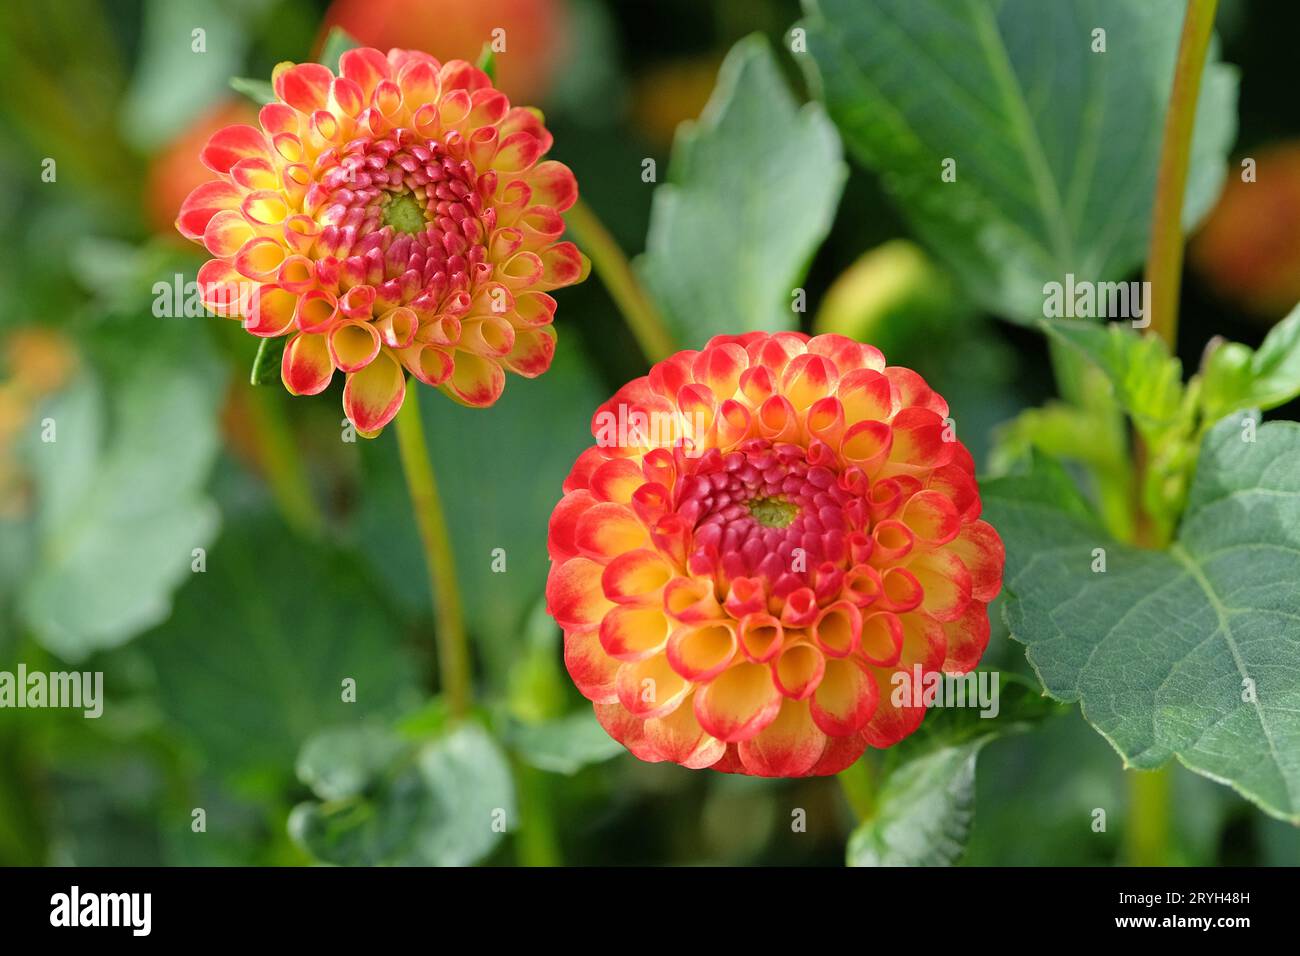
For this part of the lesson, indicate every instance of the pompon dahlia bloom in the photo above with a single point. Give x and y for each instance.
(766, 533)
(395, 218)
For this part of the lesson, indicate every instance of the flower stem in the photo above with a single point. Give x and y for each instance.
(537, 840)
(453, 649)
(858, 782)
(1146, 841)
(625, 289)
(1165, 252)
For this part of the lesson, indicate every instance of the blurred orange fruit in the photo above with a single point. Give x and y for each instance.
(668, 93)
(535, 34)
(1249, 247)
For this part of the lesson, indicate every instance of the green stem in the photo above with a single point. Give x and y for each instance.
(282, 463)
(1165, 252)
(453, 649)
(1148, 831)
(624, 288)
(859, 785)
(536, 839)
(1146, 841)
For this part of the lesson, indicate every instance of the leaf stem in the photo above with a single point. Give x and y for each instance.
(625, 289)
(1165, 252)
(453, 648)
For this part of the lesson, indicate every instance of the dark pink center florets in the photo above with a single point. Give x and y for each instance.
(404, 211)
(766, 511)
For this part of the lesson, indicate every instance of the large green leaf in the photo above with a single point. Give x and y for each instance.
(750, 195)
(442, 802)
(1186, 653)
(254, 658)
(1055, 146)
(187, 52)
(120, 501)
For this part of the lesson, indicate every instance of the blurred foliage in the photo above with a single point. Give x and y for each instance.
(226, 688)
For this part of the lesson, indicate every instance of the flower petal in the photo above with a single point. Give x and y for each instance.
(306, 368)
(790, 746)
(738, 703)
(373, 395)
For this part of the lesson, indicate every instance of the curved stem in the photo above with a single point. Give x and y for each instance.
(453, 649)
(624, 288)
(1165, 252)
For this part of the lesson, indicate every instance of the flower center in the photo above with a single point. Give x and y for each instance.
(773, 512)
(763, 510)
(405, 215)
(403, 212)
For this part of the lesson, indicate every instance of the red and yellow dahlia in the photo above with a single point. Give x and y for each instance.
(766, 532)
(395, 218)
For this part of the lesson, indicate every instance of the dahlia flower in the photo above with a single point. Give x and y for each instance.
(768, 540)
(395, 218)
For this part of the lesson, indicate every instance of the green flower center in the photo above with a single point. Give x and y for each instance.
(404, 213)
(773, 512)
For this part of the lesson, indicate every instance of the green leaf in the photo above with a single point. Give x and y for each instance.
(343, 761)
(120, 500)
(1148, 381)
(751, 193)
(337, 42)
(1186, 653)
(186, 53)
(445, 802)
(260, 92)
(1055, 146)
(487, 61)
(924, 811)
(1237, 377)
(922, 814)
(266, 365)
(1020, 705)
(254, 658)
(567, 744)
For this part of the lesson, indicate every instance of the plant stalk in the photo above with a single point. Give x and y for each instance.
(624, 287)
(858, 783)
(1147, 839)
(1165, 252)
(449, 622)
